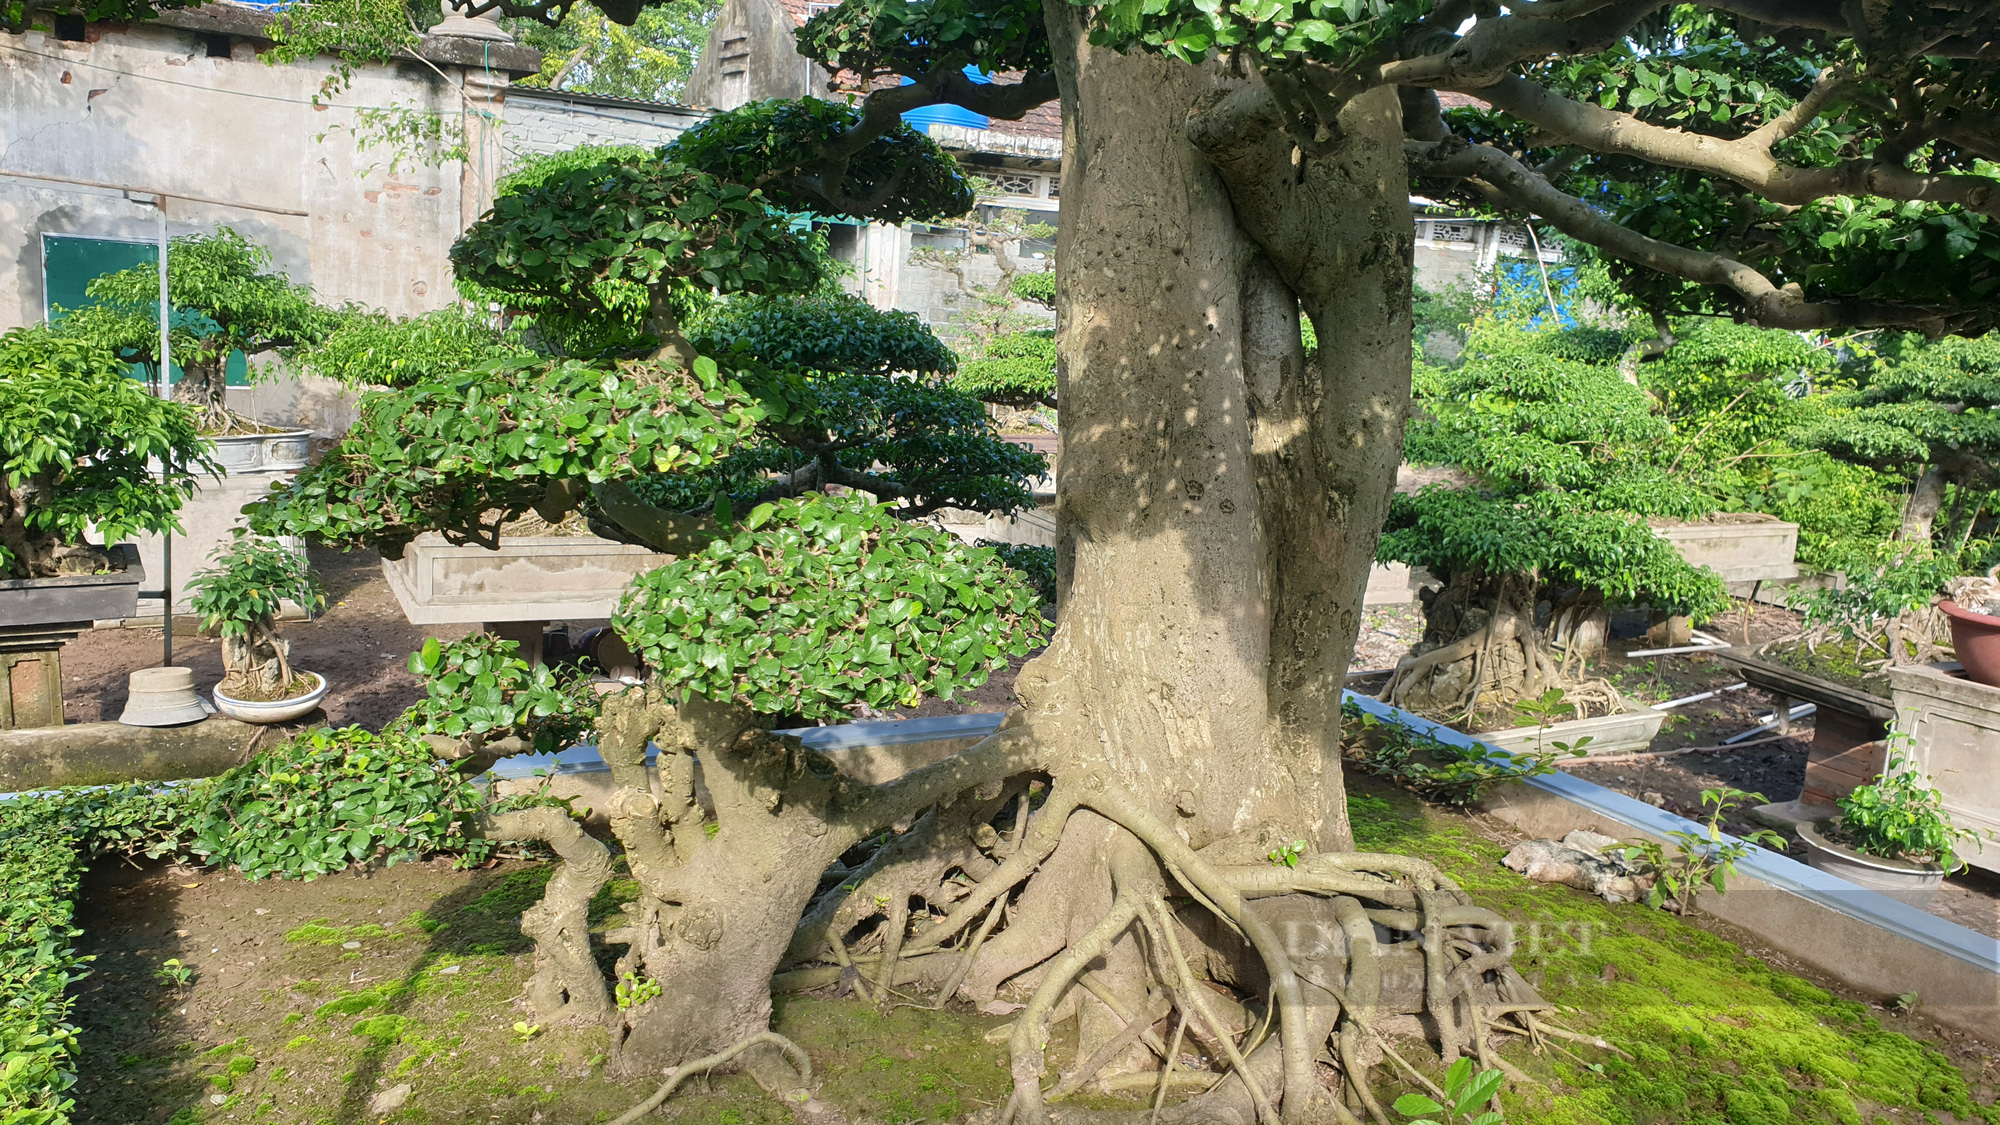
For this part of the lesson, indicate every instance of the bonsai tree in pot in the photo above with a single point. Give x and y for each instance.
(1568, 462)
(76, 440)
(224, 299)
(240, 597)
(1893, 836)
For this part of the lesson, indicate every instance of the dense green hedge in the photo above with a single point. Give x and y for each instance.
(45, 843)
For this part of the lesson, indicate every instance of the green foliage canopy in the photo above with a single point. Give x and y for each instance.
(76, 441)
(822, 603)
(1569, 463)
(464, 455)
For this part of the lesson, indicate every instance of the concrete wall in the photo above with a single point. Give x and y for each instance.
(541, 121)
(231, 142)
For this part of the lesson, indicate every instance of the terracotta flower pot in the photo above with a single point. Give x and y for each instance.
(1975, 637)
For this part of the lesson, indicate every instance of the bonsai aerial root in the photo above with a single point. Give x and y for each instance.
(706, 1063)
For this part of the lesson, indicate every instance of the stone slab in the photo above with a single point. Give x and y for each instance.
(1395, 584)
(106, 753)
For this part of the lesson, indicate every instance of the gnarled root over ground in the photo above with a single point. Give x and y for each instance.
(995, 872)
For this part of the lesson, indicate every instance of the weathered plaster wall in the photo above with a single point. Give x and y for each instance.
(751, 55)
(537, 121)
(231, 142)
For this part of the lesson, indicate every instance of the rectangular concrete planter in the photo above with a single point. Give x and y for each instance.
(1624, 733)
(73, 599)
(209, 520)
(1954, 730)
(1746, 547)
(1395, 584)
(534, 578)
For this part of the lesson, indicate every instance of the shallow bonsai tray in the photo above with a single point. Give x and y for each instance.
(1626, 732)
(73, 599)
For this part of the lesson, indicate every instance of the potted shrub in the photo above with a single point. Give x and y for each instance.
(240, 597)
(75, 439)
(1893, 837)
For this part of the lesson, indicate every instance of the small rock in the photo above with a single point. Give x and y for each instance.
(389, 1100)
(1002, 1008)
(1657, 800)
(448, 970)
(350, 945)
(217, 1099)
(262, 910)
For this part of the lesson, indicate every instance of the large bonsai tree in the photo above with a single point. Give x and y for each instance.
(1229, 165)
(1928, 412)
(1569, 464)
(224, 300)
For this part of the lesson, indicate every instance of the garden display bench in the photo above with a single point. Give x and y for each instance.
(1953, 725)
(516, 591)
(38, 616)
(1847, 748)
(110, 753)
(252, 465)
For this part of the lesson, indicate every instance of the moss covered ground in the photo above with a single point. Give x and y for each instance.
(309, 1000)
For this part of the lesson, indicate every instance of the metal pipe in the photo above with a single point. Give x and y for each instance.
(1799, 712)
(166, 391)
(1672, 703)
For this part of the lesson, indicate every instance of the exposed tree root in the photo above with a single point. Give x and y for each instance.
(1481, 643)
(1321, 950)
(706, 1063)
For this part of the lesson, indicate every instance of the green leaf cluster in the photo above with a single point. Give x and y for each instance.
(223, 297)
(1701, 859)
(46, 841)
(1902, 817)
(833, 334)
(448, 455)
(243, 590)
(872, 38)
(373, 349)
(1036, 564)
(1290, 33)
(1922, 404)
(77, 439)
(822, 603)
(784, 148)
(1039, 287)
(1433, 769)
(332, 798)
(589, 242)
(480, 687)
(1465, 1090)
(1013, 369)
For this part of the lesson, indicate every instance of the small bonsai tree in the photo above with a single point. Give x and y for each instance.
(83, 447)
(223, 299)
(1568, 462)
(1901, 817)
(240, 597)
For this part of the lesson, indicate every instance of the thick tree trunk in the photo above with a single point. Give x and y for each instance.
(1921, 509)
(1219, 501)
(204, 386)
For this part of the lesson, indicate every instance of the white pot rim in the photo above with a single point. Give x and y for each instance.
(273, 704)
